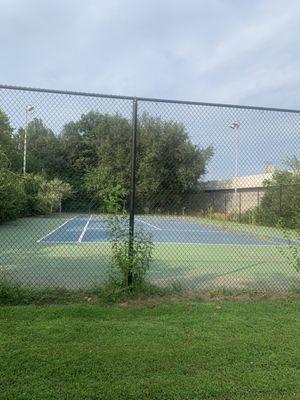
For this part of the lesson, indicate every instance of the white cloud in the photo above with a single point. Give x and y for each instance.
(197, 50)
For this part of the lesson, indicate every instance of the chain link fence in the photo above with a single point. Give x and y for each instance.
(216, 187)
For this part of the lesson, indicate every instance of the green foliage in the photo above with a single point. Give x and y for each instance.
(52, 193)
(42, 196)
(5, 131)
(164, 182)
(292, 250)
(210, 213)
(281, 202)
(11, 293)
(29, 195)
(44, 155)
(131, 255)
(8, 143)
(251, 217)
(97, 149)
(97, 140)
(11, 191)
(102, 184)
(93, 155)
(5, 164)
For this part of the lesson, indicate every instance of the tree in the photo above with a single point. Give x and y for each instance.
(169, 164)
(104, 187)
(43, 151)
(5, 132)
(42, 196)
(11, 191)
(96, 147)
(4, 161)
(54, 192)
(8, 143)
(281, 202)
(93, 154)
(96, 139)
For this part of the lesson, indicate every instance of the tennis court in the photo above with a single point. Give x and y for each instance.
(73, 251)
(93, 229)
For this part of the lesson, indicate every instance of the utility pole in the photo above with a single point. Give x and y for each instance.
(236, 125)
(28, 110)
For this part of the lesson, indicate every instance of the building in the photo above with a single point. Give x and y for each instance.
(238, 194)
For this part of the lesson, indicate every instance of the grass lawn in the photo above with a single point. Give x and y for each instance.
(185, 265)
(180, 350)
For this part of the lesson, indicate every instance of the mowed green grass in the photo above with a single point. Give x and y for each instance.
(181, 265)
(188, 350)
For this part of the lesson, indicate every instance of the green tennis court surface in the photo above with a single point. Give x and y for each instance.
(93, 229)
(72, 251)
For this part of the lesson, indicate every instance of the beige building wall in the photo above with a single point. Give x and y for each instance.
(225, 196)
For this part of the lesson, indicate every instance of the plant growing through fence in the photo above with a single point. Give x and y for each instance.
(131, 254)
(292, 250)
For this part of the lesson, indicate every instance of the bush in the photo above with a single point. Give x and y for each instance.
(12, 196)
(42, 196)
(12, 293)
(251, 216)
(281, 202)
(292, 250)
(131, 255)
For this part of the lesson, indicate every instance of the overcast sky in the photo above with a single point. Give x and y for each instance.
(233, 51)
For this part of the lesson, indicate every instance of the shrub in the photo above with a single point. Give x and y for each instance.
(251, 216)
(12, 196)
(292, 250)
(12, 293)
(42, 196)
(281, 202)
(131, 255)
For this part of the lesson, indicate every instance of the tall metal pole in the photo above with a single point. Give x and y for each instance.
(132, 187)
(25, 144)
(27, 111)
(237, 157)
(236, 125)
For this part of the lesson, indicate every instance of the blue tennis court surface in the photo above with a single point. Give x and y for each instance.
(93, 229)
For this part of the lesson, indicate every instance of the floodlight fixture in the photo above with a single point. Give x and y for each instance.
(29, 108)
(235, 125)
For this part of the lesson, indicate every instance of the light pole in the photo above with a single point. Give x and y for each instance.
(236, 125)
(28, 110)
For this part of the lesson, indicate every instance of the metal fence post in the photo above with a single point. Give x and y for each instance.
(132, 187)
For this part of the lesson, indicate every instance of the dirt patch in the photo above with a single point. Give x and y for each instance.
(208, 297)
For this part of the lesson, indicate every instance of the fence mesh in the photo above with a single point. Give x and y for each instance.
(216, 188)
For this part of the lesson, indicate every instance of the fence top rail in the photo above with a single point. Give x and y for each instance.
(147, 99)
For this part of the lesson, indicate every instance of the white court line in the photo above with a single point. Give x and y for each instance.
(190, 230)
(54, 230)
(80, 229)
(84, 230)
(223, 244)
(153, 226)
(176, 243)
